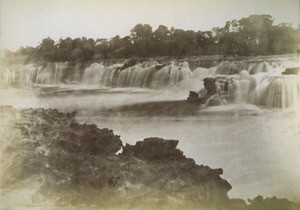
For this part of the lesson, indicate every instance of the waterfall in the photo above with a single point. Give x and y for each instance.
(276, 91)
(255, 81)
(171, 75)
(260, 68)
(9, 76)
(241, 90)
(93, 74)
(229, 67)
(253, 67)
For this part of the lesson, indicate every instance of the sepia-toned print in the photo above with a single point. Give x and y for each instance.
(147, 104)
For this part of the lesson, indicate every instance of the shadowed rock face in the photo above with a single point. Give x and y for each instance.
(175, 172)
(48, 158)
(295, 70)
(210, 86)
(129, 63)
(210, 90)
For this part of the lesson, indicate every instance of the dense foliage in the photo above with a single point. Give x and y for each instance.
(254, 35)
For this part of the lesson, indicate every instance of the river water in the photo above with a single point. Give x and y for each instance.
(255, 140)
(258, 148)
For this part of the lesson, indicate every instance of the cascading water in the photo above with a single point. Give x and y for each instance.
(171, 75)
(276, 91)
(229, 68)
(254, 81)
(93, 74)
(260, 68)
(9, 76)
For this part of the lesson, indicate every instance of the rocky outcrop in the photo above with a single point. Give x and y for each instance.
(294, 70)
(210, 86)
(48, 158)
(76, 163)
(216, 92)
(195, 97)
(172, 171)
(210, 89)
(129, 63)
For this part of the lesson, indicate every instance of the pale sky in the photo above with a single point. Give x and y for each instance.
(27, 22)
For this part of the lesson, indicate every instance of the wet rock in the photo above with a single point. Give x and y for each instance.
(216, 92)
(195, 97)
(210, 89)
(295, 70)
(215, 100)
(129, 63)
(160, 66)
(210, 86)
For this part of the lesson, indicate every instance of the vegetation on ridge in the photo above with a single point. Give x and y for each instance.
(254, 35)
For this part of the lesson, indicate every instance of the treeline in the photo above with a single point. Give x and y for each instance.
(254, 35)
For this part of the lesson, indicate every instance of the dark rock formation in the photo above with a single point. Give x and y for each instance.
(295, 70)
(77, 163)
(154, 149)
(210, 86)
(160, 66)
(194, 97)
(62, 130)
(260, 203)
(129, 63)
(51, 158)
(217, 91)
(174, 172)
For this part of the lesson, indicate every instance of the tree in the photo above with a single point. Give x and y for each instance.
(47, 49)
(253, 35)
(141, 37)
(256, 31)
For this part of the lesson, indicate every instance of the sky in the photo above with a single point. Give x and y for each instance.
(27, 22)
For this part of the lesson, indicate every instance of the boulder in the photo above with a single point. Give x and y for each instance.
(210, 86)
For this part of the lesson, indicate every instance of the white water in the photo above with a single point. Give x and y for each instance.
(258, 81)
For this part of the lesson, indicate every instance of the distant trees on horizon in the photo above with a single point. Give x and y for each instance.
(254, 35)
